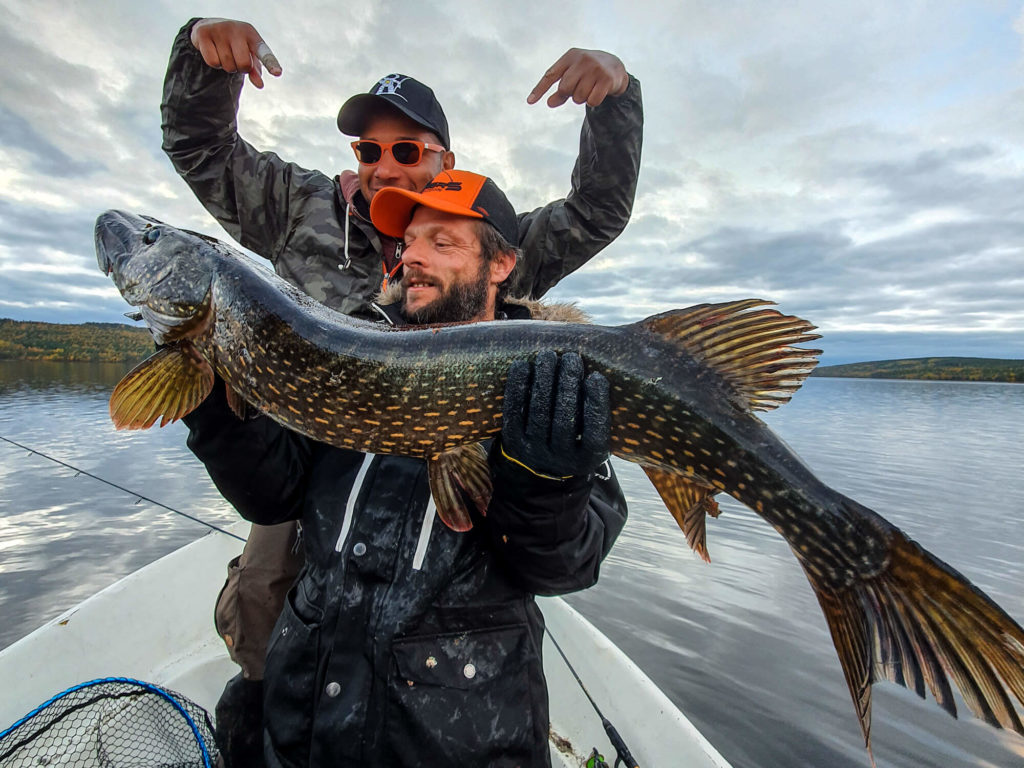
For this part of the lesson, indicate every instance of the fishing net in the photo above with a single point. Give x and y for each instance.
(113, 723)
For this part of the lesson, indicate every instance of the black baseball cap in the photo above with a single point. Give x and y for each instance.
(459, 192)
(407, 95)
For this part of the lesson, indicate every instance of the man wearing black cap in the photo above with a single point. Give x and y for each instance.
(315, 228)
(405, 642)
(317, 232)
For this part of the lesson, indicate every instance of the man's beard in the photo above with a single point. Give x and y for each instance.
(458, 302)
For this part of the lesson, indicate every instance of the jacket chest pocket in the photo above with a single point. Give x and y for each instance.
(467, 699)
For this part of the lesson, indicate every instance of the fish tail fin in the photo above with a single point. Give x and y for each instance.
(919, 623)
(166, 386)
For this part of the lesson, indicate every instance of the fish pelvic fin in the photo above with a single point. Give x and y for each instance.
(458, 476)
(166, 386)
(690, 503)
(920, 624)
(238, 404)
(751, 348)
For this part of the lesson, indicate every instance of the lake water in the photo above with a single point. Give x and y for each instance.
(740, 645)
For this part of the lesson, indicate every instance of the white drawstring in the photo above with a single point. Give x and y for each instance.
(425, 527)
(350, 505)
(348, 215)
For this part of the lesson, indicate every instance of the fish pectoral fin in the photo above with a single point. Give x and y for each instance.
(458, 475)
(165, 386)
(690, 503)
(750, 348)
(918, 623)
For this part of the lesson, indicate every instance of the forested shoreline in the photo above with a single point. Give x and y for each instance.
(83, 342)
(119, 342)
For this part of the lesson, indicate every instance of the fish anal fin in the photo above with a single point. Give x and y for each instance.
(689, 503)
(166, 386)
(457, 476)
(751, 348)
(920, 624)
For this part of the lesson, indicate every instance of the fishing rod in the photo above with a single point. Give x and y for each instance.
(622, 753)
(139, 496)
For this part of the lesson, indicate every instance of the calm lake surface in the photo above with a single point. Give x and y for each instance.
(740, 645)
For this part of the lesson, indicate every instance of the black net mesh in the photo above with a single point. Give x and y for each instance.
(113, 723)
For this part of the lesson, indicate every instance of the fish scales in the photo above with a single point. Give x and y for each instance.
(682, 387)
(366, 373)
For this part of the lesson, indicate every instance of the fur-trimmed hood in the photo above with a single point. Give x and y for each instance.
(567, 312)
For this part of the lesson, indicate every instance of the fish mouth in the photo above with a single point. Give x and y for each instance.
(155, 269)
(116, 233)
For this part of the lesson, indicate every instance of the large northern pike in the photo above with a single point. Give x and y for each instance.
(683, 385)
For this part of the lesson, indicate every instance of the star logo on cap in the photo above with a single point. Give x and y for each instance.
(388, 86)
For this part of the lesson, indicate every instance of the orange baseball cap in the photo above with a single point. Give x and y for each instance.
(457, 192)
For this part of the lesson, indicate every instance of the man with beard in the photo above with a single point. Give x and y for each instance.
(315, 229)
(396, 622)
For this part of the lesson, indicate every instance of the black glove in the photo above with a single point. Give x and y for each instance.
(554, 422)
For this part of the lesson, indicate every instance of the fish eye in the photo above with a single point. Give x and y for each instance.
(151, 236)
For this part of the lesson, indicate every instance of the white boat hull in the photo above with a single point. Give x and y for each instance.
(156, 625)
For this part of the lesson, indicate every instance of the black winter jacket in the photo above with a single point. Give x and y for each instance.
(404, 643)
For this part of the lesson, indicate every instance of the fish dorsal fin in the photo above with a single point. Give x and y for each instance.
(752, 349)
(455, 475)
(165, 386)
(690, 503)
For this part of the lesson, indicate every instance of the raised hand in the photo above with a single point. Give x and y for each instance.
(234, 46)
(583, 76)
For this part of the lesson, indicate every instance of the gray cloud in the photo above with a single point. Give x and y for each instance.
(870, 181)
(45, 158)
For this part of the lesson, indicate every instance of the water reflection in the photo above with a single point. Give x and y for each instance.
(739, 644)
(63, 537)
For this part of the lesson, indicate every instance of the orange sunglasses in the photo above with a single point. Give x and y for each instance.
(405, 152)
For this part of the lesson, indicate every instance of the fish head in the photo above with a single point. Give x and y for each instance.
(164, 271)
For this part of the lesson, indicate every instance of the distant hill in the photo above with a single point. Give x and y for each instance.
(92, 342)
(931, 368)
(117, 342)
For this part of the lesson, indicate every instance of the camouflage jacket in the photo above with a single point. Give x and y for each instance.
(315, 229)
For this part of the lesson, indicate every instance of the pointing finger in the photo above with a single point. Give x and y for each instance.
(264, 54)
(552, 76)
(549, 79)
(567, 86)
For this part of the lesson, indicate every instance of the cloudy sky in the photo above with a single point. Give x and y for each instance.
(860, 163)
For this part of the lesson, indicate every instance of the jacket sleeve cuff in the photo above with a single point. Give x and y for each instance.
(552, 534)
(629, 100)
